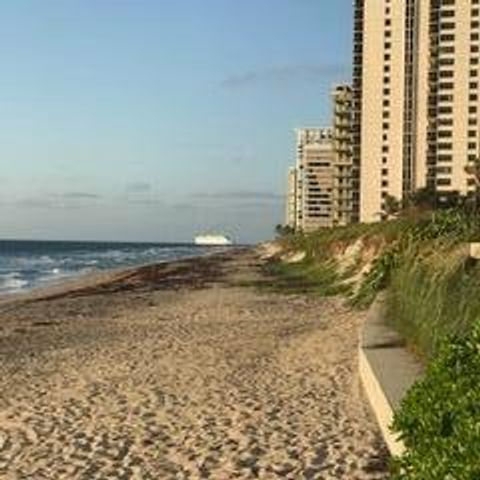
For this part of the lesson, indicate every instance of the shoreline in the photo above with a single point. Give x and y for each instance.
(99, 277)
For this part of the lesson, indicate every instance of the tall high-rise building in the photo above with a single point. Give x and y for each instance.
(453, 98)
(315, 179)
(415, 98)
(320, 186)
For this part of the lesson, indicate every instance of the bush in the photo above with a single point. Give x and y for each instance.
(439, 420)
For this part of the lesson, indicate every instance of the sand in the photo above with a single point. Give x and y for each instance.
(181, 371)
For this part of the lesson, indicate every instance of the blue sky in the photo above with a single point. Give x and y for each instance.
(154, 119)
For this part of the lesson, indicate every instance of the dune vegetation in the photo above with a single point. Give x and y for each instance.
(431, 287)
(421, 263)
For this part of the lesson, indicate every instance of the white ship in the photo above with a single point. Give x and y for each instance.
(211, 239)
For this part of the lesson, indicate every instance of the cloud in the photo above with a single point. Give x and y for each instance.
(154, 202)
(139, 187)
(184, 206)
(58, 200)
(36, 202)
(285, 74)
(80, 196)
(237, 195)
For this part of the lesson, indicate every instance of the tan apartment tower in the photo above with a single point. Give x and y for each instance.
(320, 186)
(291, 203)
(453, 93)
(315, 179)
(415, 98)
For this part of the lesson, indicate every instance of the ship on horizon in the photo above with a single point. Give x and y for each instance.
(212, 239)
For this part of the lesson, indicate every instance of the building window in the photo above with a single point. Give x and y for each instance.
(446, 74)
(445, 98)
(447, 49)
(448, 26)
(444, 134)
(444, 146)
(446, 86)
(447, 13)
(446, 61)
(444, 182)
(447, 37)
(445, 110)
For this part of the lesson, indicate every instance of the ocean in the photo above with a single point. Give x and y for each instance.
(25, 265)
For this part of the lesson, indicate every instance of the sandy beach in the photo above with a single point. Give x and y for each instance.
(183, 371)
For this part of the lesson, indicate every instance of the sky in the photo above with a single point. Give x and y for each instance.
(154, 120)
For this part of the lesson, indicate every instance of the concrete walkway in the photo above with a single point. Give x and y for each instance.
(387, 370)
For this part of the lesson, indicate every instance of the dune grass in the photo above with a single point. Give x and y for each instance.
(433, 294)
(317, 278)
(432, 287)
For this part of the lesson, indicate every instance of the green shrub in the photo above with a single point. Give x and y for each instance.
(439, 420)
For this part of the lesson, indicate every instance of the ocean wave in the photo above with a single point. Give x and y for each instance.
(12, 282)
(47, 263)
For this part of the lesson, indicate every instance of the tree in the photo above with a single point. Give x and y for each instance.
(391, 206)
(425, 198)
(282, 230)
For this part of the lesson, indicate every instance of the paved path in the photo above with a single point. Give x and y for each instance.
(218, 381)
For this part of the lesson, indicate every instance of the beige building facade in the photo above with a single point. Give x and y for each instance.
(453, 122)
(315, 179)
(343, 189)
(320, 186)
(415, 98)
(291, 203)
